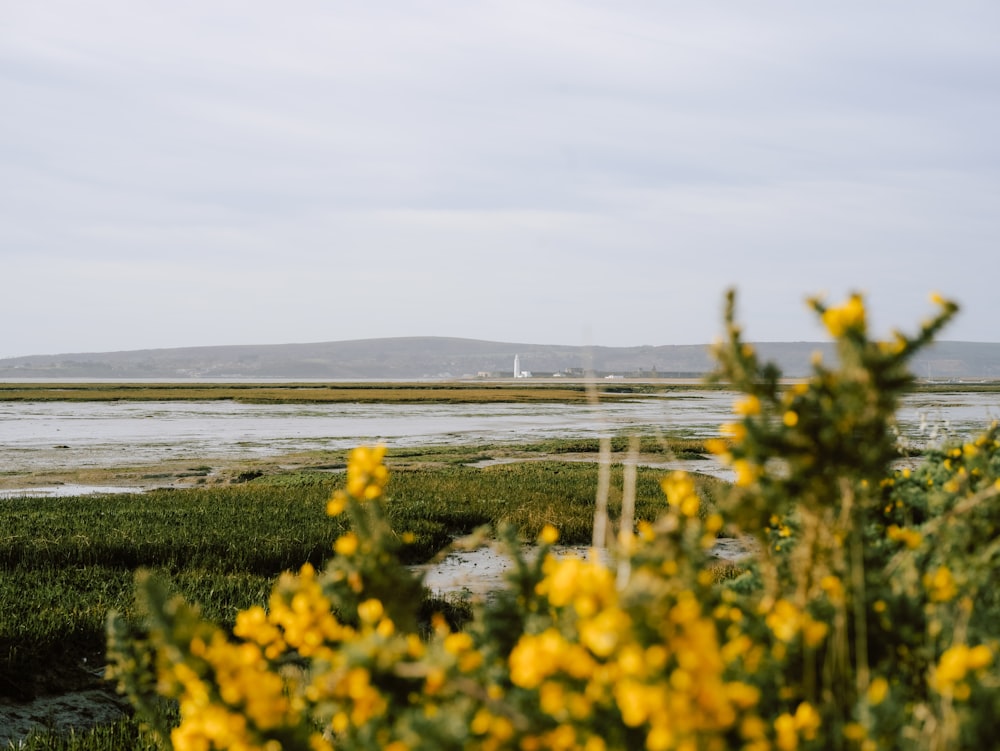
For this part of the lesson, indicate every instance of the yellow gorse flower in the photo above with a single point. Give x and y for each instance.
(366, 474)
(681, 494)
(911, 538)
(849, 316)
(747, 406)
(648, 650)
(955, 664)
(746, 471)
(940, 584)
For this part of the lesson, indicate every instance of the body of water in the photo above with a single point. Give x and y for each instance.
(107, 434)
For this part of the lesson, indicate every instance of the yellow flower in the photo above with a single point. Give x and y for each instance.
(346, 544)
(940, 584)
(549, 535)
(813, 631)
(784, 620)
(535, 657)
(337, 503)
(855, 731)
(951, 668)
(909, 537)
(743, 695)
(735, 430)
(602, 633)
(807, 720)
(979, 657)
(370, 611)
(786, 738)
(877, 691)
(679, 489)
(746, 472)
(790, 418)
(366, 474)
(719, 447)
(833, 588)
(848, 317)
(457, 643)
(630, 697)
(748, 406)
(551, 699)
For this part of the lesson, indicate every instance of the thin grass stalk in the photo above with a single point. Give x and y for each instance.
(804, 559)
(601, 523)
(862, 669)
(629, 476)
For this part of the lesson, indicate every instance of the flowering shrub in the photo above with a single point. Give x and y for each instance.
(864, 619)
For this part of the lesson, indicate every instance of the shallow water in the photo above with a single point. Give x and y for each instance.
(482, 571)
(47, 435)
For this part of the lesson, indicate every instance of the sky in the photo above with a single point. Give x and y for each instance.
(549, 172)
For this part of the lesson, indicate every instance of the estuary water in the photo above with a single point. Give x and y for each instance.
(40, 435)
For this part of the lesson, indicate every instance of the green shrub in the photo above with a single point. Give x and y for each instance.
(862, 621)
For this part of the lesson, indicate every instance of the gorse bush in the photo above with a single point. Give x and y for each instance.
(865, 618)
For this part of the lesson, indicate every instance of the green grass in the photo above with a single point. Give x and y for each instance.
(246, 528)
(668, 447)
(65, 562)
(123, 734)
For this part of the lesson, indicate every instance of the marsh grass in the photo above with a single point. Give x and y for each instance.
(120, 735)
(309, 393)
(65, 562)
(657, 445)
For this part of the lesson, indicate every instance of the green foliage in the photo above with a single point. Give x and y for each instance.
(862, 621)
(118, 736)
(65, 562)
(667, 446)
(528, 495)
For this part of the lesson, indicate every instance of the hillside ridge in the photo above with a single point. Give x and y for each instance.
(454, 357)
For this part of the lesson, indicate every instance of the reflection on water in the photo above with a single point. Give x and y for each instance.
(40, 435)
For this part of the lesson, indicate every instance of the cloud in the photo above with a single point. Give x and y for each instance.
(516, 171)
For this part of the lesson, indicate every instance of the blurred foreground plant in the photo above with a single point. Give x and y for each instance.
(864, 619)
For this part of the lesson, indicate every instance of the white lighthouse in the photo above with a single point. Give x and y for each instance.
(517, 366)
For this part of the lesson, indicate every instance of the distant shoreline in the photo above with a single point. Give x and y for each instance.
(447, 359)
(473, 391)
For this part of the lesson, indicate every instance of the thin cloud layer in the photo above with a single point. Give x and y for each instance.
(568, 172)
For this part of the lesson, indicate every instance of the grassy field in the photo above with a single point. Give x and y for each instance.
(292, 393)
(460, 392)
(64, 562)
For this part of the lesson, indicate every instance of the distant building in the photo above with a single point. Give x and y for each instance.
(518, 373)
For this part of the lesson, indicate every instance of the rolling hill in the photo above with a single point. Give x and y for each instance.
(445, 357)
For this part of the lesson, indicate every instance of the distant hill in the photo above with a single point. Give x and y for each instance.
(444, 357)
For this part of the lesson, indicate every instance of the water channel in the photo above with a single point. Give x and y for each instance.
(108, 434)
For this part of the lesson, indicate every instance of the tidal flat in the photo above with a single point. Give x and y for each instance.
(134, 436)
(213, 495)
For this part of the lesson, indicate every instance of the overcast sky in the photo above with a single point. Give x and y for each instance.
(199, 173)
